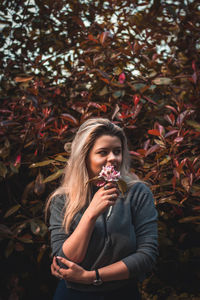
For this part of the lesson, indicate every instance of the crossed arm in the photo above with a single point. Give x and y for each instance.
(135, 265)
(76, 245)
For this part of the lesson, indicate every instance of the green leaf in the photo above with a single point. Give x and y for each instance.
(54, 176)
(194, 124)
(104, 91)
(165, 160)
(61, 158)
(38, 227)
(189, 219)
(12, 210)
(42, 163)
(162, 81)
(122, 186)
(93, 179)
(9, 249)
(3, 170)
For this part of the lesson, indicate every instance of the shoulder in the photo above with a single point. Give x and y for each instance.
(140, 194)
(58, 201)
(140, 187)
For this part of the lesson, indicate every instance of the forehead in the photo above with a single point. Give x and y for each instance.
(105, 141)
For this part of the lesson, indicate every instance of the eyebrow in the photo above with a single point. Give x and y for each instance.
(105, 148)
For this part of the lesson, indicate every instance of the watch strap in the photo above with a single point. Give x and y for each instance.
(97, 274)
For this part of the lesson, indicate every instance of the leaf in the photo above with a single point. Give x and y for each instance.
(162, 81)
(152, 149)
(42, 163)
(93, 179)
(39, 187)
(170, 201)
(12, 210)
(178, 139)
(9, 249)
(5, 231)
(23, 79)
(61, 158)
(122, 186)
(186, 183)
(92, 38)
(104, 91)
(38, 227)
(3, 170)
(104, 36)
(135, 153)
(70, 118)
(154, 132)
(194, 124)
(189, 219)
(171, 133)
(26, 238)
(149, 100)
(54, 176)
(165, 160)
(35, 228)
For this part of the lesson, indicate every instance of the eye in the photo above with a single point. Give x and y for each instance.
(102, 152)
(117, 152)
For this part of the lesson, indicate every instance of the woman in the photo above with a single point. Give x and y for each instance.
(101, 255)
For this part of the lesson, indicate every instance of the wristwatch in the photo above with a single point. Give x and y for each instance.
(98, 280)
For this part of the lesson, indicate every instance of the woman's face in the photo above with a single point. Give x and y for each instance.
(106, 151)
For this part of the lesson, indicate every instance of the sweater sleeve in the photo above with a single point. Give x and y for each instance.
(57, 232)
(144, 215)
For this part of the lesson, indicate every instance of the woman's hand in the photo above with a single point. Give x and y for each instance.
(74, 273)
(103, 199)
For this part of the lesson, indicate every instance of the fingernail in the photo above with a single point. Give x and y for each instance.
(59, 257)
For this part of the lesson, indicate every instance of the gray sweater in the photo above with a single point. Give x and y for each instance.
(129, 234)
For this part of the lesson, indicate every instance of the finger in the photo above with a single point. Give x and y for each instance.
(55, 262)
(64, 261)
(112, 191)
(113, 197)
(109, 185)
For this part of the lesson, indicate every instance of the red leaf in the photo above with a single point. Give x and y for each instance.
(105, 80)
(91, 38)
(70, 118)
(104, 36)
(194, 65)
(174, 182)
(136, 99)
(154, 132)
(104, 108)
(171, 132)
(150, 100)
(23, 79)
(18, 160)
(152, 149)
(135, 153)
(178, 139)
(142, 152)
(172, 108)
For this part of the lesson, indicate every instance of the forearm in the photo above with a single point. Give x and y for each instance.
(75, 247)
(115, 271)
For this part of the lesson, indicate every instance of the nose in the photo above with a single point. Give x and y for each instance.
(111, 157)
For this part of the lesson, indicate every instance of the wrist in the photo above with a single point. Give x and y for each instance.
(90, 276)
(90, 217)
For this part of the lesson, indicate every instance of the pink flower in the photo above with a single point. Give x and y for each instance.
(108, 173)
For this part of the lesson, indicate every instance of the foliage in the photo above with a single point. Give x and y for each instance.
(136, 63)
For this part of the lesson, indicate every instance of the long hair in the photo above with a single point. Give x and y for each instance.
(74, 183)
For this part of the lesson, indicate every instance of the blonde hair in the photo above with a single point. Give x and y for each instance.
(74, 183)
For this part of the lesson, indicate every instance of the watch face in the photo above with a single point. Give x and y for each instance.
(97, 282)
